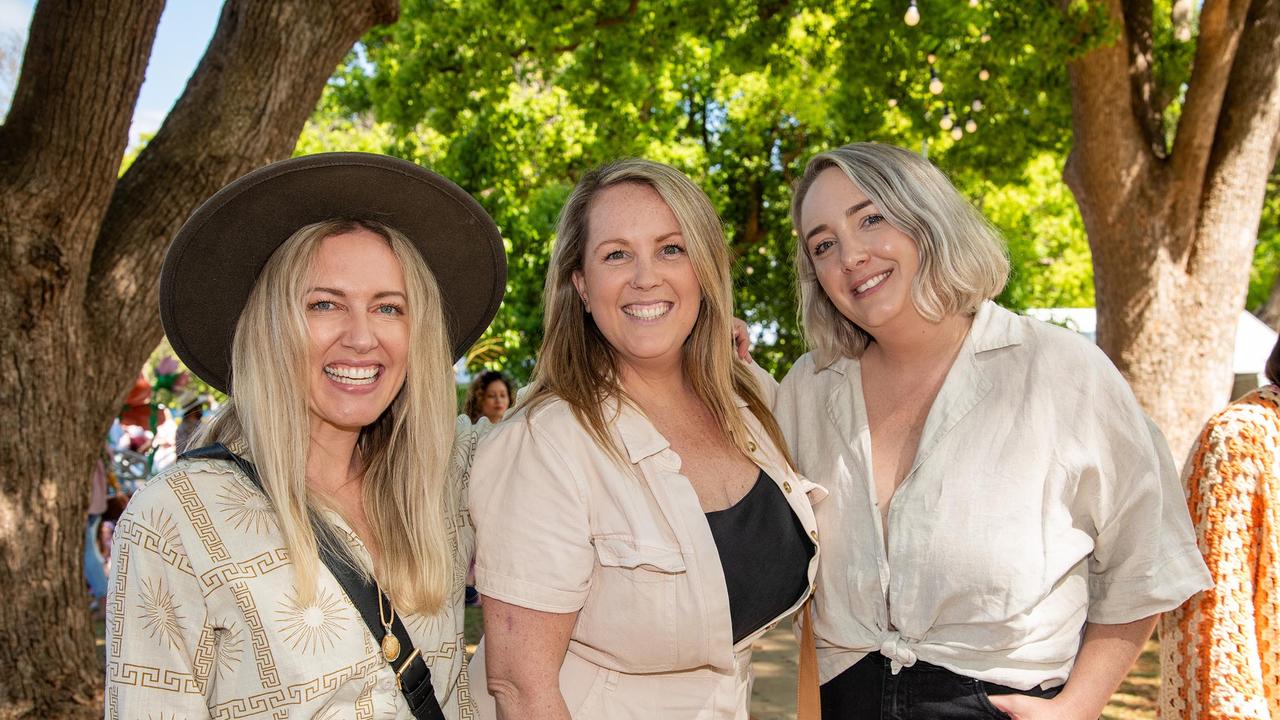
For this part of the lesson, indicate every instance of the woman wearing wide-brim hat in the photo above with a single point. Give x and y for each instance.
(307, 560)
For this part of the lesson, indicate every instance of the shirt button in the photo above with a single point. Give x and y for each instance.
(814, 534)
(786, 486)
(751, 446)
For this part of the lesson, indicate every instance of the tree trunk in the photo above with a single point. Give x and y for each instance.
(80, 254)
(1172, 232)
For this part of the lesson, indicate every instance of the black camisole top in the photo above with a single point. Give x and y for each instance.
(765, 554)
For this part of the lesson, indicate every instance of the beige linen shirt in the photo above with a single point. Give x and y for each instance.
(1041, 497)
(204, 621)
(564, 528)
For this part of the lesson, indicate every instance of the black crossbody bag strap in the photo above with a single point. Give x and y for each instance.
(414, 676)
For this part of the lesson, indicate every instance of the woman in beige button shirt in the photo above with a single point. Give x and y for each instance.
(1005, 523)
(639, 522)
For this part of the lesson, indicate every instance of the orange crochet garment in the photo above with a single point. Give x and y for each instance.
(1220, 651)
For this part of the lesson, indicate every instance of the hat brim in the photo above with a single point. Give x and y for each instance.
(214, 260)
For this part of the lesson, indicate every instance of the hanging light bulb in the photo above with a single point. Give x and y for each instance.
(984, 75)
(977, 105)
(986, 38)
(893, 102)
(970, 125)
(947, 121)
(912, 18)
(935, 85)
(931, 58)
(973, 3)
(956, 133)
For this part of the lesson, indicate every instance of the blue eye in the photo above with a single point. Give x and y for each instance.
(872, 220)
(389, 309)
(672, 249)
(615, 255)
(822, 247)
(321, 305)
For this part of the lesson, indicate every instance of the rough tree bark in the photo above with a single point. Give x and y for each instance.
(80, 253)
(1172, 229)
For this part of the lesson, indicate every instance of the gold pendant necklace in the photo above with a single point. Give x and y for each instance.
(390, 644)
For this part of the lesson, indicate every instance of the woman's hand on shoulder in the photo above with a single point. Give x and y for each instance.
(742, 340)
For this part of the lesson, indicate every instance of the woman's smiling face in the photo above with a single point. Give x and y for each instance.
(637, 280)
(865, 265)
(358, 329)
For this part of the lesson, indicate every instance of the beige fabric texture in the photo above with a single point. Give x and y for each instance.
(563, 528)
(1041, 497)
(203, 619)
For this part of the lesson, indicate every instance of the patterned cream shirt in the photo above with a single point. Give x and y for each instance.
(204, 621)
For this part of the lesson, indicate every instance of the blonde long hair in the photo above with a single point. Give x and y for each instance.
(576, 362)
(404, 454)
(963, 261)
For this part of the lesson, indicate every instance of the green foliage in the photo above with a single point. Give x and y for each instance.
(1266, 255)
(514, 100)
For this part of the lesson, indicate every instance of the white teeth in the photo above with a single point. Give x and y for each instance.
(648, 312)
(352, 375)
(872, 282)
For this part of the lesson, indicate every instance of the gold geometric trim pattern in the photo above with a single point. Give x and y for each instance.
(256, 566)
(262, 657)
(123, 673)
(199, 516)
(295, 694)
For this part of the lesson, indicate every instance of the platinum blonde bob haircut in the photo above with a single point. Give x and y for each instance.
(963, 261)
(404, 454)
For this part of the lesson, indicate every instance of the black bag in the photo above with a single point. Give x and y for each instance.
(413, 675)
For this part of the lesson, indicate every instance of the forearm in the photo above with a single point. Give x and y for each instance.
(1106, 655)
(524, 650)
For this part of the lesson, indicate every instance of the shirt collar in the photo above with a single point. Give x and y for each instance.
(993, 328)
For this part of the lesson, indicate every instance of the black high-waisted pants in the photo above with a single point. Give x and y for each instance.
(869, 691)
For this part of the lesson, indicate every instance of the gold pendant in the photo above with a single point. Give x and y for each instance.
(390, 646)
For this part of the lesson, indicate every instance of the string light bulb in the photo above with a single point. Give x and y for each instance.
(956, 133)
(973, 3)
(986, 37)
(977, 105)
(893, 102)
(971, 126)
(935, 84)
(984, 75)
(912, 18)
(931, 58)
(947, 121)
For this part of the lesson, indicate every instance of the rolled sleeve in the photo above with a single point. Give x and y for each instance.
(1145, 560)
(532, 523)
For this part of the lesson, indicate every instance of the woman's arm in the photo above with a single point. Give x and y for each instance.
(524, 650)
(1106, 654)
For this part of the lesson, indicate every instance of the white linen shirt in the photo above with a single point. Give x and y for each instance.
(204, 621)
(1041, 497)
(563, 528)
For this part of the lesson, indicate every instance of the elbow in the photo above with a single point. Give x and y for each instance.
(505, 691)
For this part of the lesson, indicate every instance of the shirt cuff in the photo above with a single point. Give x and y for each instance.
(1124, 600)
(533, 596)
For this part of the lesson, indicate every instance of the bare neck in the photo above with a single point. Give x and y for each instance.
(919, 342)
(332, 464)
(656, 386)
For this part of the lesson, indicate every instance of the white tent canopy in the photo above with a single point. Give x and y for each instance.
(1254, 339)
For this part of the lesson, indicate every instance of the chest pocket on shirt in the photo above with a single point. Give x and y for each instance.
(631, 611)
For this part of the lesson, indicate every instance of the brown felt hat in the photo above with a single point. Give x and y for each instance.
(216, 257)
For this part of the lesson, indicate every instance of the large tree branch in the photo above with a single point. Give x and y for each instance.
(1110, 147)
(61, 144)
(1221, 24)
(1142, 86)
(245, 106)
(1245, 138)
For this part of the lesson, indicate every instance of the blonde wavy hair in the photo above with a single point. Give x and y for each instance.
(404, 454)
(577, 364)
(963, 261)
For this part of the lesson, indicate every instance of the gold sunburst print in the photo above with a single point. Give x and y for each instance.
(228, 644)
(312, 628)
(246, 509)
(159, 611)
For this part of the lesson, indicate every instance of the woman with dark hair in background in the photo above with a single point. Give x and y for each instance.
(1220, 651)
(489, 395)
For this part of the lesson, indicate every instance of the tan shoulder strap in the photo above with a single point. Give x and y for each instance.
(808, 700)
